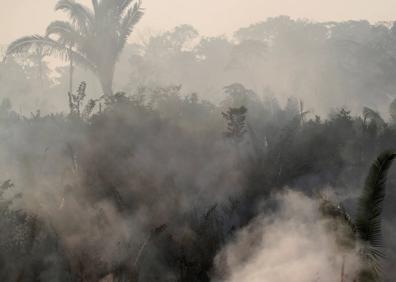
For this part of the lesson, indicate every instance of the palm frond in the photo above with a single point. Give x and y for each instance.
(80, 15)
(49, 47)
(370, 206)
(24, 44)
(123, 5)
(131, 18)
(67, 34)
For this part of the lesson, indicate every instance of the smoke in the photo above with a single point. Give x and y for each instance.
(100, 189)
(292, 244)
(155, 182)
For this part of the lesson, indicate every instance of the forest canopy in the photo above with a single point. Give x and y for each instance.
(262, 156)
(325, 64)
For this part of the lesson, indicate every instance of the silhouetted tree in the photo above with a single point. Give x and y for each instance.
(93, 38)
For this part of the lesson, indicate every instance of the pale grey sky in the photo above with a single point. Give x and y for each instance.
(210, 17)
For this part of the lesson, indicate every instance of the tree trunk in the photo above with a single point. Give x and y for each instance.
(40, 65)
(343, 269)
(71, 71)
(106, 80)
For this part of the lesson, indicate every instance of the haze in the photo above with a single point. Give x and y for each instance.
(198, 141)
(18, 18)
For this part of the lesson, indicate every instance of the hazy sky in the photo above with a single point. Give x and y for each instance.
(210, 17)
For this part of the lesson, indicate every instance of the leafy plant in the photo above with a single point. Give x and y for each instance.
(365, 231)
(76, 101)
(236, 123)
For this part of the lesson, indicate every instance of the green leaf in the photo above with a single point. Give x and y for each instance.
(370, 206)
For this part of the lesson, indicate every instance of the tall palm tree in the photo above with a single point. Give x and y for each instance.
(365, 231)
(93, 38)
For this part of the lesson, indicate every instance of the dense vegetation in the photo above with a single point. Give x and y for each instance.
(327, 65)
(152, 186)
(159, 183)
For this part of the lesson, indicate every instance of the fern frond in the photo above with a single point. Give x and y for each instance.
(370, 206)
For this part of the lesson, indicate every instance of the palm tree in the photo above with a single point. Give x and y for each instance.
(93, 38)
(37, 58)
(365, 231)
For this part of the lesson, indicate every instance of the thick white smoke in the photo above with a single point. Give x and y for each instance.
(293, 245)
